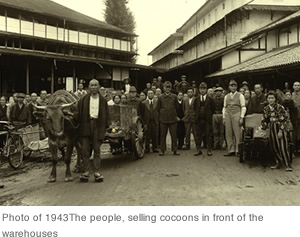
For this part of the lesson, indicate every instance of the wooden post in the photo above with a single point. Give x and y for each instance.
(52, 79)
(27, 78)
(74, 78)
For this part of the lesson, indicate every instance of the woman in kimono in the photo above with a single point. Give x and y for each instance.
(274, 118)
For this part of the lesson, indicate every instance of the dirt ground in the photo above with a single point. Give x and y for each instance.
(183, 180)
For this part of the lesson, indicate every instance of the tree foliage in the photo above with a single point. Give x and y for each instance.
(117, 13)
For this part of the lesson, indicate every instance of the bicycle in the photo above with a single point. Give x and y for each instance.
(11, 145)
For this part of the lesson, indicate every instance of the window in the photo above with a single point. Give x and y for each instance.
(224, 6)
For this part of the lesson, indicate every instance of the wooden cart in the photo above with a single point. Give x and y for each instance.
(127, 130)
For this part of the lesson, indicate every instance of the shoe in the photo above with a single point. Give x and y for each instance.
(84, 178)
(289, 169)
(98, 177)
(230, 154)
(175, 153)
(1, 186)
(275, 167)
(161, 153)
(209, 153)
(199, 153)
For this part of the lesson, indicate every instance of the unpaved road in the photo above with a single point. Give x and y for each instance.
(154, 180)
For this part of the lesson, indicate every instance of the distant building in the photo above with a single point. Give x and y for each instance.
(44, 45)
(211, 37)
(273, 55)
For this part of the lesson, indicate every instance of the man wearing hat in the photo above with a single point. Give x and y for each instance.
(204, 107)
(134, 101)
(195, 89)
(245, 85)
(126, 86)
(20, 115)
(166, 107)
(233, 113)
(218, 126)
(183, 78)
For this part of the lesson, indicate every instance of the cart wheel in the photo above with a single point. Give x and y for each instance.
(15, 151)
(242, 152)
(138, 139)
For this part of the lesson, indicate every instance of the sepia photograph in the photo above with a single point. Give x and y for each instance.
(149, 103)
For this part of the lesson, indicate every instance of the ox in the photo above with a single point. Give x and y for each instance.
(59, 126)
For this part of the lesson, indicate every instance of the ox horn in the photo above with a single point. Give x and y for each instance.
(41, 107)
(67, 105)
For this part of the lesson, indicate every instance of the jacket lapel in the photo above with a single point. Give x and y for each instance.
(147, 104)
(154, 104)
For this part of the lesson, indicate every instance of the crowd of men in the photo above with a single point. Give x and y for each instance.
(214, 116)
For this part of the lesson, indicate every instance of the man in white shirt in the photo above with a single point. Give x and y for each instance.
(80, 92)
(93, 117)
(233, 114)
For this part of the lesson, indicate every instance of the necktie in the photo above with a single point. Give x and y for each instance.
(151, 106)
(202, 98)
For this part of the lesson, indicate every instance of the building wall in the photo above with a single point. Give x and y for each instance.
(166, 49)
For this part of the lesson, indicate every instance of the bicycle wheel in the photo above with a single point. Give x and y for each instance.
(15, 151)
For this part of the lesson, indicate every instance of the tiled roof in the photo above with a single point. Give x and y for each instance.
(262, 7)
(52, 9)
(277, 58)
(282, 21)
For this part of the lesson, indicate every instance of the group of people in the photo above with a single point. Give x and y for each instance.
(214, 116)
(19, 109)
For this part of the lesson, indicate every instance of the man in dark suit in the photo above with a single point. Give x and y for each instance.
(204, 107)
(166, 107)
(189, 118)
(151, 120)
(20, 115)
(93, 117)
(134, 101)
(180, 124)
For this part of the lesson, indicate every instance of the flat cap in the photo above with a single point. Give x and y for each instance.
(232, 82)
(219, 89)
(132, 89)
(20, 95)
(183, 76)
(203, 85)
(126, 78)
(168, 84)
(193, 82)
(245, 83)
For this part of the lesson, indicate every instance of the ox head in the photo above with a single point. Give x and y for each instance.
(52, 117)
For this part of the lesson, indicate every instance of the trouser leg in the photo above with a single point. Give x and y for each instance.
(208, 132)
(173, 133)
(148, 136)
(229, 132)
(85, 144)
(96, 161)
(199, 133)
(163, 136)
(187, 126)
(216, 131)
(236, 130)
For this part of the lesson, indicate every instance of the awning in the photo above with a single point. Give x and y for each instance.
(275, 59)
